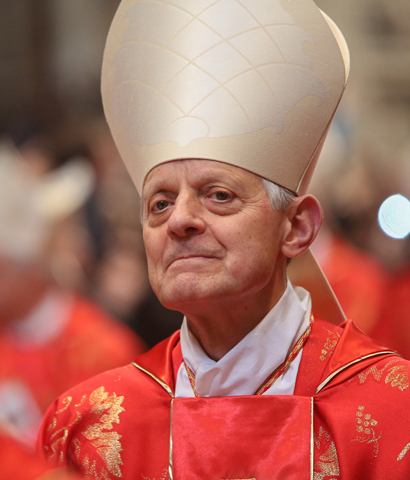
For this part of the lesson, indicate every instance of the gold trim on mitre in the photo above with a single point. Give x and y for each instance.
(253, 84)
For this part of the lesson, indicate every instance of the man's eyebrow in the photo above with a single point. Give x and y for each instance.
(152, 188)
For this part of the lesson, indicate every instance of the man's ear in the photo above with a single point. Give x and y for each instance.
(304, 219)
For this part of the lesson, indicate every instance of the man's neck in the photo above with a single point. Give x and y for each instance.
(222, 325)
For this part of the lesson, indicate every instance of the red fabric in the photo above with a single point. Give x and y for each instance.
(18, 463)
(158, 360)
(362, 293)
(359, 427)
(393, 326)
(89, 344)
(204, 429)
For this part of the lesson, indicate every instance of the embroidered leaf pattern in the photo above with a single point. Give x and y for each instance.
(398, 376)
(104, 410)
(395, 375)
(328, 464)
(107, 407)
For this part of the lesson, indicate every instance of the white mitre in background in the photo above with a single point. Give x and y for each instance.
(32, 205)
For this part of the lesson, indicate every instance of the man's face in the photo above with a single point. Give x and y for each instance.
(210, 233)
(20, 286)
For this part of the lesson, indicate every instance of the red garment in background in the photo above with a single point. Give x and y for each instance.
(393, 326)
(127, 424)
(19, 463)
(31, 377)
(357, 279)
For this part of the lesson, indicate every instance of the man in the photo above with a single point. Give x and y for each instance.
(219, 109)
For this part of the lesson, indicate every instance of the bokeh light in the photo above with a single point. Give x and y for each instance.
(394, 216)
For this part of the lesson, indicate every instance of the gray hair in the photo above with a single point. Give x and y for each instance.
(280, 197)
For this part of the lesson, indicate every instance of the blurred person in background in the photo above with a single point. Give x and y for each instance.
(393, 324)
(50, 337)
(342, 185)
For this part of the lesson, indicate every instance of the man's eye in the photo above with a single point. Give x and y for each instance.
(161, 205)
(221, 196)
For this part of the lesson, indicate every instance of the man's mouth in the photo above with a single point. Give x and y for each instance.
(191, 256)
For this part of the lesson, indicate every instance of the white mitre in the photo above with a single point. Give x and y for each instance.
(252, 83)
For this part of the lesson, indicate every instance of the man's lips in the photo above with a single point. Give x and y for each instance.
(188, 256)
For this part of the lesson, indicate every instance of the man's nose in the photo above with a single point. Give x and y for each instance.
(186, 217)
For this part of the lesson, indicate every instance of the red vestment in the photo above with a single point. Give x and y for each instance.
(393, 327)
(19, 463)
(360, 295)
(346, 420)
(33, 375)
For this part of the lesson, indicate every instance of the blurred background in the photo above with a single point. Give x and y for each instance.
(70, 235)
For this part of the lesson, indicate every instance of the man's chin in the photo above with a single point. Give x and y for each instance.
(188, 297)
(181, 303)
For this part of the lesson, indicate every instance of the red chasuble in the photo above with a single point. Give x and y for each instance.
(347, 420)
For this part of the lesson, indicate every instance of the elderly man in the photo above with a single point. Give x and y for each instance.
(219, 109)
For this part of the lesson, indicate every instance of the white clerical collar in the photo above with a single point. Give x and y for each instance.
(244, 368)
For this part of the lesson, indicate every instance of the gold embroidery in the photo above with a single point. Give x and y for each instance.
(107, 408)
(397, 375)
(77, 449)
(52, 425)
(108, 445)
(90, 470)
(345, 367)
(55, 445)
(403, 452)
(377, 374)
(330, 345)
(365, 426)
(328, 464)
(322, 433)
(66, 403)
(59, 437)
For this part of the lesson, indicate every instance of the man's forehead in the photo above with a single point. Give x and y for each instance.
(201, 169)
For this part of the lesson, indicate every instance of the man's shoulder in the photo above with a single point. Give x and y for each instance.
(333, 354)
(83, 397)
(364, 369)
(109, 406)
(391, 372)
(120, 377)
(129, 379)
